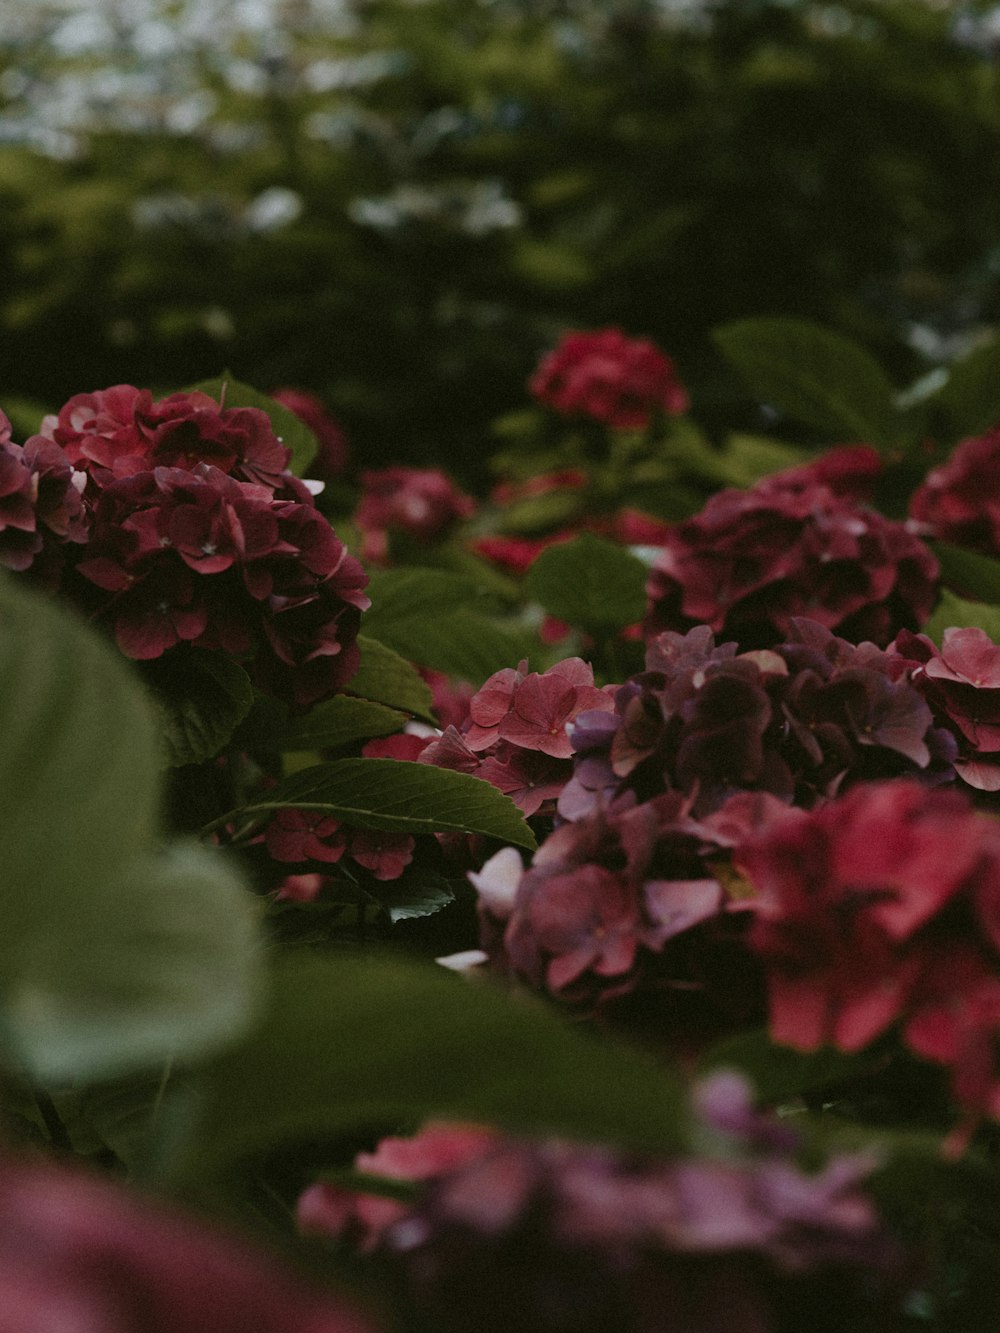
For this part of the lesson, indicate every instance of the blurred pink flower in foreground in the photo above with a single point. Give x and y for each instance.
(80, 1255)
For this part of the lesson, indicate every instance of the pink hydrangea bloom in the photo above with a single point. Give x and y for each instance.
(847, 903)
(594, 1239)
(425, 504)
(961, 682)
(82, 1254)
(604, 375)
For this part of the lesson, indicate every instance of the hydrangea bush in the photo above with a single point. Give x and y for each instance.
(571, 907)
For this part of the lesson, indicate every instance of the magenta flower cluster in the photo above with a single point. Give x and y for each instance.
(800, 721)
(795, 545)
(603, 375)
(596, 1239)
(422, 503)
(516, 734)
(882, 909)
(187, 527)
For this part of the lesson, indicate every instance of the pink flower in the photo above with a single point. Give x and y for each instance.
(331, 460)
(82, 1254)
(609, 377)
(961, 681)
(331, 1210)
(845, 899)
(533, 711)
(424, 504)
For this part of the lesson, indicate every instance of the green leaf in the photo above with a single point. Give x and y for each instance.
(203, 697)
(341, 720)
(353, 1044)
(814, 376)
(401, 797)
(113, 956)
(428, 616)
(747, 458)
(780, 1073)
(969, 400)
(970, 574)
(161, 961)
(386, 678)
(589, 582)
(289, 428)
(414, 895)
(79, 760)
(954, 612)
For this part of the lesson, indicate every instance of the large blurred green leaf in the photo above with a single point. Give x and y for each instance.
(351, 1044)
(160, 961)
(114, 954)
(401, 797)
(590, 583)
(814, 376)
(289, 428)
(969, 399)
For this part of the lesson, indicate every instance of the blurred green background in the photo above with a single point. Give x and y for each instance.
(400, 204)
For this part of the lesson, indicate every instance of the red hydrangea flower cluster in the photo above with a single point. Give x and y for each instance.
(81, 1255)
(591, 1238)
(799, 721)
(961, 682)
(41, 505)
(878, 909)
(591, 918)
(608, 377)
(425, 504)
(516, 735)
(791, 546)
(309, 835)
(199, 534)
(960, 500)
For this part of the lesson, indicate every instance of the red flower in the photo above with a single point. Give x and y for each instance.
(960, 500)
(304, 835)
(118, 432)
(609, 377)
(845, 897)
(386, 855)
(532, 710)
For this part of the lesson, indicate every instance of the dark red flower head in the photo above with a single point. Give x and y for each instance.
(752, 561)
(604, 375)
(960, 500)
(425, 504)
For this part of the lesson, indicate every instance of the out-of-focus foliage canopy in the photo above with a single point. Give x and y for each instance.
(399, 204)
